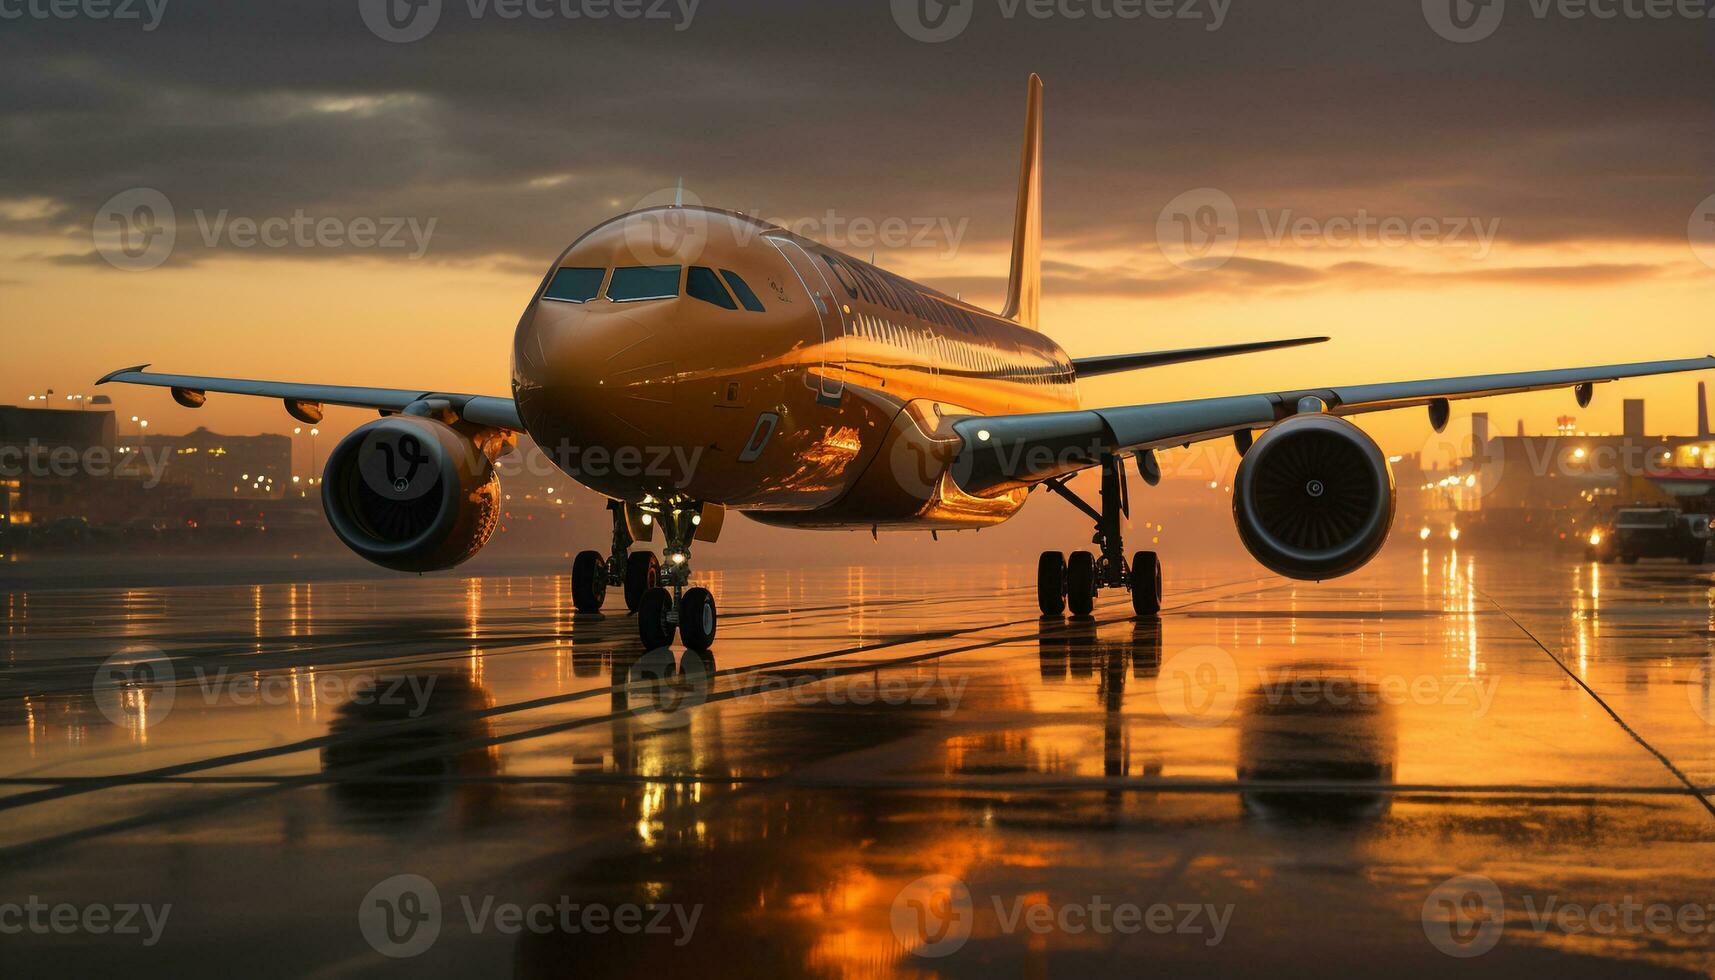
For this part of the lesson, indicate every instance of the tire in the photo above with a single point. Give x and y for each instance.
(1146, 583)
(642, 573)
(1081, 582)
(589, 581)
(652, 626)
(697, 619)
(1051, 583)
(1629, 559)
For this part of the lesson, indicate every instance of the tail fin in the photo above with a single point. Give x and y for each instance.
(1024, 294)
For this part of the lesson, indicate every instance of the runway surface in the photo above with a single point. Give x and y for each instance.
(1496, 764)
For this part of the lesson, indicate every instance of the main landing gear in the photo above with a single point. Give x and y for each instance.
(656, 592)
(1073, 580)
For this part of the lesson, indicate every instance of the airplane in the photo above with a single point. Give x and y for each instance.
(687, 361)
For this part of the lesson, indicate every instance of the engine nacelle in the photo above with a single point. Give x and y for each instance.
(411, 494)
(1314, 498)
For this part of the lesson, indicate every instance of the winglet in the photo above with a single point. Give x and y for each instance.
(130, 370)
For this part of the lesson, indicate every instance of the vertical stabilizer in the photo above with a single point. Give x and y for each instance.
(1024, 294)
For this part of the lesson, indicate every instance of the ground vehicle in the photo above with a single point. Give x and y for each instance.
(1650, 532)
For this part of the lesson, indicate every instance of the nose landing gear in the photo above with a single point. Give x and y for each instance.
(688, 611)
(1072, 581)
(656, 591)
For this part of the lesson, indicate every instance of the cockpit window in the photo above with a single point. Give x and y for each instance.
(741, 289)
(701, 283)
(575, 285)
(639, 282)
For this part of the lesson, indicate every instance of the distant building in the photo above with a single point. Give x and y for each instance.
(216, 466)
(48, 427)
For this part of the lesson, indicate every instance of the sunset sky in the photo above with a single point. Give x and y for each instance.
(1582, 146)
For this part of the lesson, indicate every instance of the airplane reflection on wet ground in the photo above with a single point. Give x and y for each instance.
(1445, 762)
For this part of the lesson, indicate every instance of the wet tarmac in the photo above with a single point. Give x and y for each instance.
(1497, 764)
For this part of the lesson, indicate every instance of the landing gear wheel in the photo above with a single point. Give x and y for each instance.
(589, 581)
(652, 625)
(1629, 559)
(1146, 583)
(1051, 583)
(697, 619)
(642, 573)
(1081, 582)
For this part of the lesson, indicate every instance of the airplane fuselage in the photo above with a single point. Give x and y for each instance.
(699, 354)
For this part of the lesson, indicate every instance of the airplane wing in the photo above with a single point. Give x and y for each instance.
(304, 401)
(1089, 367)
(1004, 452)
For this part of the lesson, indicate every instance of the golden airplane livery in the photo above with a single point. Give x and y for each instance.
(687, 361)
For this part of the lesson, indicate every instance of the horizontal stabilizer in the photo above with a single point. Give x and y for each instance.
(1089, 367)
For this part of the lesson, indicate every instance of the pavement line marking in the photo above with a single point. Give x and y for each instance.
(1629, 730)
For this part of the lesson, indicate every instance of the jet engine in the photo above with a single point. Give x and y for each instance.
(411, 494)
(1313, 498)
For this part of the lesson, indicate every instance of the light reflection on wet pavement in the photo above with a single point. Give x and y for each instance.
(876, 772)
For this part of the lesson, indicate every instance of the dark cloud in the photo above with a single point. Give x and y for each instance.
(514, 135)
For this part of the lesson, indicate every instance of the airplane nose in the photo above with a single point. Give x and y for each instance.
(593, 374)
